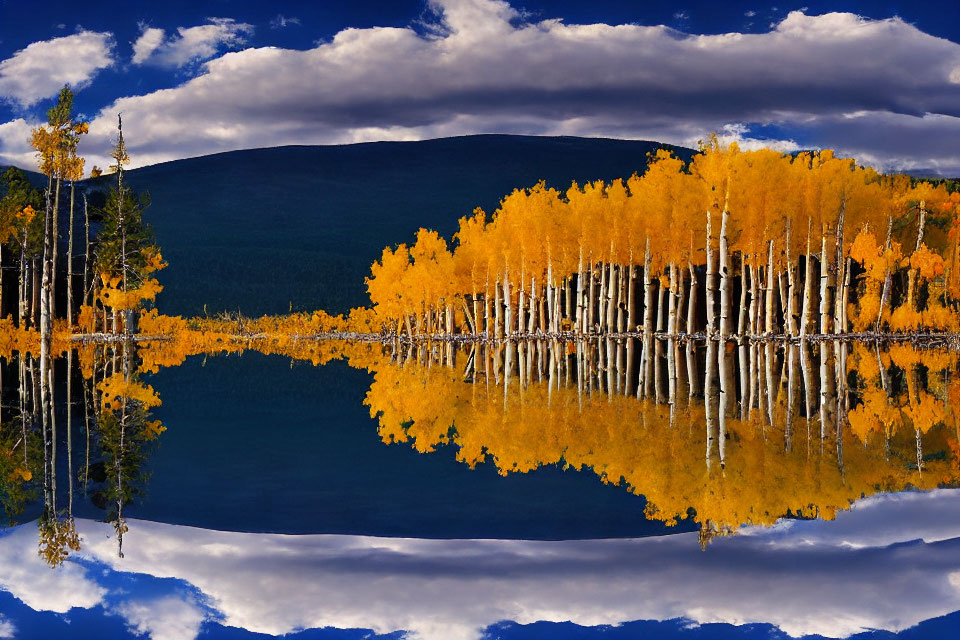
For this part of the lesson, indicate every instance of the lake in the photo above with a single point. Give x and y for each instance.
(516, 489)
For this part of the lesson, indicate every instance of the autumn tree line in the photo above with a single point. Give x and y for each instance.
(90, 289)
(91, 273)
(733, 244)
(816, 426)
(800, 444)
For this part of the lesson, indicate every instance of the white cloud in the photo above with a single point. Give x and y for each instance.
(191, 44)
(833, 578)
(15, 146)
(7, 628)
(165, 618)
(150, 38)
(42, 68)
(479, 70)
(836, 578)
(479, 66)
(25, 575)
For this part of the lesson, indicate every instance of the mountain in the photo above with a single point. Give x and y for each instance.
(266, 230)
(38, 180)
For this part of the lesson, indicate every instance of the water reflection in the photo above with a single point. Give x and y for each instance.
(831, 578)
(799, 430)
(117, 428)
(769, 430)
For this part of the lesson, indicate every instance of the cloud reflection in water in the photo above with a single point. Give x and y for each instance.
(890, 563)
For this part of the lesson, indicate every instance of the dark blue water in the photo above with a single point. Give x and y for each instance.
(256, 445)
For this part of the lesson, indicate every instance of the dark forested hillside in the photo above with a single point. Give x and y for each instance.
(261, 229)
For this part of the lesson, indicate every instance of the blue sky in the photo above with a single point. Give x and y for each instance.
(877, 80)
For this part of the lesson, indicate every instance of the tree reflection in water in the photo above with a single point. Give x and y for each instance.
(771, 430)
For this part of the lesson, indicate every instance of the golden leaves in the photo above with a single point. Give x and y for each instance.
(57, 538)
(117, 390)
(112, 295)
(638, 445)
(154, 261)
(21, 473)
(152, 429)
(927, 263)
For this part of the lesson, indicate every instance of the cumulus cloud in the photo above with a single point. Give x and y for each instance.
(25, 575)
(836, 578)
(191, 44)
(481, 66)
(15, 146)
(42, 68)
(889, 563)
(148, 42)
(165, 618)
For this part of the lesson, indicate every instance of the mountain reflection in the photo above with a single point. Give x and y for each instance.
(771, 430)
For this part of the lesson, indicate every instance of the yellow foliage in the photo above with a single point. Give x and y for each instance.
(153, 429)
(116, 390)
(927, 263)
(23, 474)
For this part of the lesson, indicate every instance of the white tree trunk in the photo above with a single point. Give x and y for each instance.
(725, 279)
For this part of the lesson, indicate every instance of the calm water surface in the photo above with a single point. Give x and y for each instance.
(519, 490)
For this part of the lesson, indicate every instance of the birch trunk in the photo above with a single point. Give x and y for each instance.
(711, 320)
(672, 301)
(486, 307)
(611, 299)
(726, 395)
(22, 287)
(498, 311)
(792, 317)
(647, 345)
(708, 397)
(824, 286)
(532, 324)
(593, 299)
(921, 224)
(681, 299)
(579, 323)
(788, 304)
(602, 302)
(692, 302)
(839, 272)
(742, 311)
(724, 289)
(551, 307)
(46, 337)
(521, 302)
(70, 265)
(55, 246)
(768, 325)
(508, 311)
